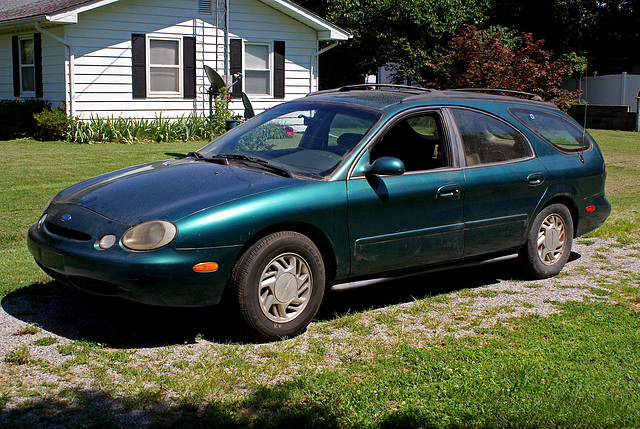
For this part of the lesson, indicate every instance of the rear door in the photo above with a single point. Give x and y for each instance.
(504, 182)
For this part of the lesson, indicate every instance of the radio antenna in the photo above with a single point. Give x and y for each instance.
(584, 120)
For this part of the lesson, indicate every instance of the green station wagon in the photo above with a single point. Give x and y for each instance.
(342, 185)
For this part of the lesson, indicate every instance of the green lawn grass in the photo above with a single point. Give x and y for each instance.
(578, 368)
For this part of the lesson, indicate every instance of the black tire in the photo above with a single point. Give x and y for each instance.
(549, 242)
(278, 284)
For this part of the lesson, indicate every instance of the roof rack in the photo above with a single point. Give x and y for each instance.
(528, 95)
(383, 86)
(374, 86)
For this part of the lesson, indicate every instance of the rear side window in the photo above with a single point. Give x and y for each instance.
(556, 130)
(487, 140)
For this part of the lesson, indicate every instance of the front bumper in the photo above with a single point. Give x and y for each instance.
(159, 277)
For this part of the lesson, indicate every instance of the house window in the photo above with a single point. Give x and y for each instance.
(27, 67)
(26, 53)
(164, 66)
(257, 70)
(262, 66)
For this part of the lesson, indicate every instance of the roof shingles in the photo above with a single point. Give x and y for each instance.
(19, 9)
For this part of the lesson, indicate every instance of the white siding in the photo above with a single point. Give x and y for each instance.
(103, 65)
(6, 67)
(101, 43)
(53, 58)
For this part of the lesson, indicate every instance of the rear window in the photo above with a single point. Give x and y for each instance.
(556, 130)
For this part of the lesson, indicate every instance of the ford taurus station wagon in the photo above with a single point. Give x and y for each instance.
(342, 185)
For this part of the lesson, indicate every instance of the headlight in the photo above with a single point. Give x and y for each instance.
(149, 235)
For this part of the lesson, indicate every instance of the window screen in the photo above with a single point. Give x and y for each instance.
(27, 66)
(164, 65)
(257, 79)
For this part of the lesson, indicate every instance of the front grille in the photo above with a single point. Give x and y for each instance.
(63, 232)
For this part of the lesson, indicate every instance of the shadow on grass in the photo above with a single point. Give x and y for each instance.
(272, 407)
(118, 323)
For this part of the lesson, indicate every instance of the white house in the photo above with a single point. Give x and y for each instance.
(137, 58)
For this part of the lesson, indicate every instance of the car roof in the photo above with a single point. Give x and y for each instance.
(383, 96)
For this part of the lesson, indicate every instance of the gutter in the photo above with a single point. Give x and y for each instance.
(69, 79)
(313, 61)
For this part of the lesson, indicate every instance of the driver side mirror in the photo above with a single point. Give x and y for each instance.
(386, 166)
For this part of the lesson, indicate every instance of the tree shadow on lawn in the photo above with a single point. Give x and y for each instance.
(269, 407)
(117, 323)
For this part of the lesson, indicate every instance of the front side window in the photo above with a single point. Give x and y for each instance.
(416, 141)
(164, 66)
(487, 140)
(257, 70)
(556, 130)
(27, 67)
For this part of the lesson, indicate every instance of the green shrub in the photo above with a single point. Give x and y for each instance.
(16, 117)
(53, 124)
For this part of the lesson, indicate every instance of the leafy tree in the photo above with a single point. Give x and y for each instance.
(406, 33)
(605, 31)
(493, 59)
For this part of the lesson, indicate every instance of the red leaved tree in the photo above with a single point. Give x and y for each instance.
(491, 59)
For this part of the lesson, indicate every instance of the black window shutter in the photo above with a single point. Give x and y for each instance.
(138, 66)
(235, 64)
(278, 69)
(15, 49)
(189, 58)
(37, 58)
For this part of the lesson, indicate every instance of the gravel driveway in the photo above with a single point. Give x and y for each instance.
(41, 319)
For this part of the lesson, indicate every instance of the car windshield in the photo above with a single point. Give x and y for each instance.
(309, 139)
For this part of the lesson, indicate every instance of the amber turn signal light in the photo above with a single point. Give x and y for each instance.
(205, 267)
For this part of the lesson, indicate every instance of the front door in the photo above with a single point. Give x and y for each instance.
(411, 220)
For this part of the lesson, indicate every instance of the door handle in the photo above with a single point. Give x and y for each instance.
(448, 191)
(535, 179)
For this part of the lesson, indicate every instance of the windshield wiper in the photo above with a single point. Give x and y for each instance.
(224, 158)
(196, 155)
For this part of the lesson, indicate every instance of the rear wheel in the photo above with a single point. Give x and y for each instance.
(549, 243)
(279, 284)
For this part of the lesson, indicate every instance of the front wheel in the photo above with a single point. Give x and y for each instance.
(279, 284)
(549, 243)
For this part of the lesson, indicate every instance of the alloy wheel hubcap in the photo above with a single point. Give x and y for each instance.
(551, 239)
(285, 287)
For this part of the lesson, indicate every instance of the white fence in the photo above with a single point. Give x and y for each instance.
(610, 90)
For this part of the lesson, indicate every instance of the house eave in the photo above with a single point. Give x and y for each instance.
(62, 16)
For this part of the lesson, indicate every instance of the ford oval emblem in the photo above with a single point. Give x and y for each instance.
(66, 217)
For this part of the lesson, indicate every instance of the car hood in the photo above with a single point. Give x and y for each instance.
(168, 190)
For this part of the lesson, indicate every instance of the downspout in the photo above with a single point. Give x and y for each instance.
(69, 82)
(226, 43)
(313, 60)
